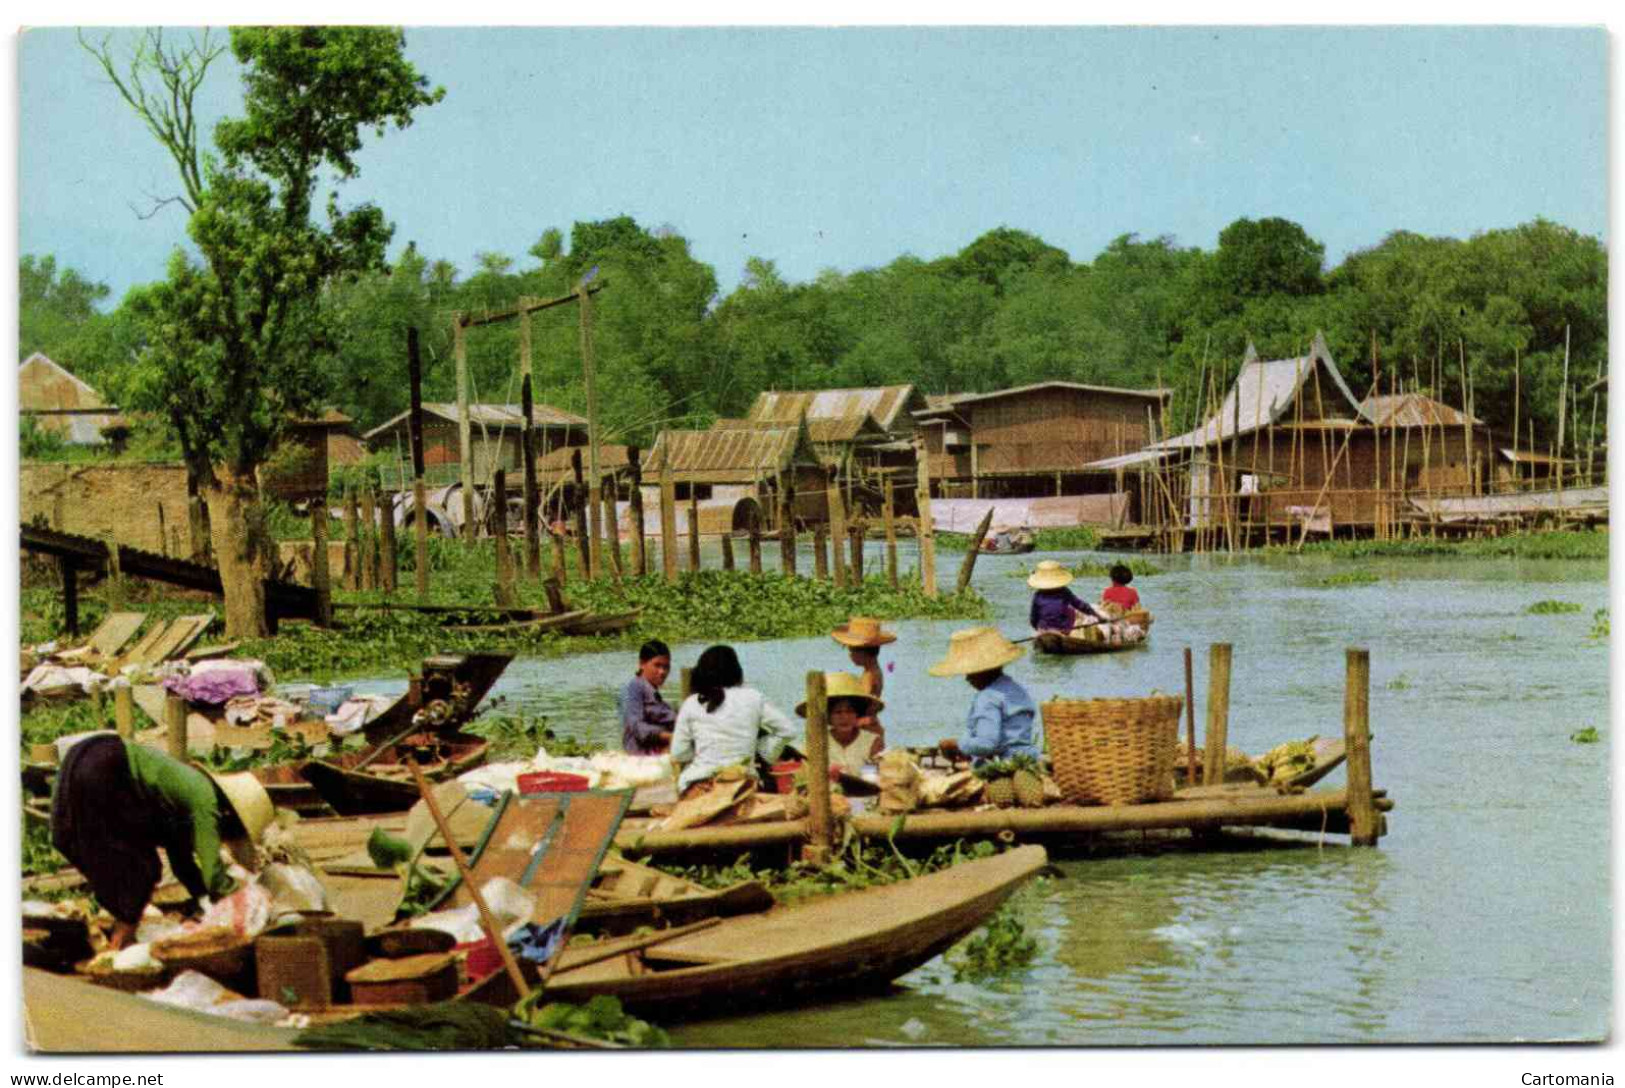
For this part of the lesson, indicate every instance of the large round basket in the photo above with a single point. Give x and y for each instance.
(220, 953)
(1113, 751)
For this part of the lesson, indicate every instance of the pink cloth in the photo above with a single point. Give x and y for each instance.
(216, 686)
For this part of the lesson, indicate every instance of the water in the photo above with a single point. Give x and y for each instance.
(1484, 915)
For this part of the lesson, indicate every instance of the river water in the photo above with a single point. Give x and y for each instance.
(1484, 915)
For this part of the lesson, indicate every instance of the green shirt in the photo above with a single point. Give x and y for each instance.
(186, 802)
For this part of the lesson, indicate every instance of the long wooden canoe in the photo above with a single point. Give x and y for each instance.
(65, 1015)
(1053, 642)
(842, 943)
(386, 785)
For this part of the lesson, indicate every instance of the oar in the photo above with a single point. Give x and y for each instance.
(387, 745)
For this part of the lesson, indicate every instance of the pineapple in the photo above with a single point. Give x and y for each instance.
(1027, 782)
(1001, 790)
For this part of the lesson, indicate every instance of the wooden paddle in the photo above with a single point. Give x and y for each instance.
(387, 745)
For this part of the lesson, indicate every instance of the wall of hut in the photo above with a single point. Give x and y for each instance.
(143, 506)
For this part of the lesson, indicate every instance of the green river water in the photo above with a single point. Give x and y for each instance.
(1483, 916)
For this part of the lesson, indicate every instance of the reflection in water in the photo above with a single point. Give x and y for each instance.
(1482, 917)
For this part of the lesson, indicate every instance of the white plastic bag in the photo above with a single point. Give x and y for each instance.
(510, 906)
(293, 888)
(246, 911)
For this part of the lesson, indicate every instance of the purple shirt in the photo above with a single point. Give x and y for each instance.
(1052, 609)
(644, 716)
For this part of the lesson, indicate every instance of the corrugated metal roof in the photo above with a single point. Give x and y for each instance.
(883, 402)
(488, 415)
(611, 458)
(728, 454)
(1129, 460)
(1262, 394)
(1413, 410)
(821, 431)
(966, 398)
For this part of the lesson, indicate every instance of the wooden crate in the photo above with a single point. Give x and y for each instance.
(412, 980)
(295, 971)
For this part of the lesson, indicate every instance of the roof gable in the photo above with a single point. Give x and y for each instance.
(487, 415)
(43, 384)
(886, 403)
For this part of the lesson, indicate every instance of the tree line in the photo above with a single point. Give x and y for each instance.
(1453, 318)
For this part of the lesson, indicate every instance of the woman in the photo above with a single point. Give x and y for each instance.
(1000, 722)
(116, 804)
(646, 718)
(850, 745)
(863, 639)
(724, 723)
(1054, 607)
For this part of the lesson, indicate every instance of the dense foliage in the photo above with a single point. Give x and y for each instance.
(1453, 317)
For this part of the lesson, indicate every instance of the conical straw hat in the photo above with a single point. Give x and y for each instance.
(976, 649)
(843, 685)
(1049, 575)
(249, 800)
(861, 631)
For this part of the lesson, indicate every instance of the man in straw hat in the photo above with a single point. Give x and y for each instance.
(1054, 607)
(863, 639)
(1000, 722)
(850, 746)
(115, 804)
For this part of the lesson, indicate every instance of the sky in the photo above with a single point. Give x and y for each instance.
(846, 148)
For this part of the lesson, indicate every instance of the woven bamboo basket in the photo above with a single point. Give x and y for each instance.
(1114, 751)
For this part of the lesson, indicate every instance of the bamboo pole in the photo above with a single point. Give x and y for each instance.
(889, 515)
(787, 528)
(465, 437)
(693, 528)
(855, 535)
(595, 558)
(821, 832)
(668, 512)
(319, 574)
(1466, 421)
(1516, 400)
(820, 555)
(837, 528)
(612, 533)
(420, 530)
(388, 563)
(584, 527)
(926, 534)
(1215, 740)
(755, 538)
(1363, 819)
(352, 541)
(499, 497)
(175, 727)
(1190, 722)
(640, 545)
(527, 447)
(369, 538)
(968, 567)
(727, 551)
(124, 711)
(1562, 405)
(493, 932)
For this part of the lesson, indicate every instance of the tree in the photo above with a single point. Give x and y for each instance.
(233, 339)
(55, 309)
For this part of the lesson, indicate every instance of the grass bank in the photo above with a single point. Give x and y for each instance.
(1073, 538)
(1560, 544)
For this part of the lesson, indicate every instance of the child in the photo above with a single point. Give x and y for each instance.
(1000, 722)
(1119, 593)
(863, 639)
(646, 718)
(1054, 607)
(850, 745)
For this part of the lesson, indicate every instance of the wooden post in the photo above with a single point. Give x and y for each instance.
(640, 545)
(787, 530)
(320, 576)
(465, 435)
(124, 711)
(819, 830)
(414, 423)
(820, 556)
(926, 533)
(888, 512)
(499, 497)
(727, 551)
(755, 531)
(527, 448)
(368, 538)
(968, 567)
(693, 527)
(561, 559)
(386, 543)
(352, 541)
(114, 590)
(1364, 825)
(420, 530)
(612, 533)
(837, 527)
(1190, 723)
(70, 594)
(175, 727)
(856, 534)
(584, 544)
(668, 515)
(685, 684)
(594, 481)
(1216, 739)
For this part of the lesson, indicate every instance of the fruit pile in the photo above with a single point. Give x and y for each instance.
(1014, 781)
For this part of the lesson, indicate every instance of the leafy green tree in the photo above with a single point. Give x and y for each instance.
(56, 312)
(234, 337)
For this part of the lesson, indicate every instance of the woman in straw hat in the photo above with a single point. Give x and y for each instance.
(116, 804)
(850, 745)
(863, 639)
(1054, 607)
(1000, 722)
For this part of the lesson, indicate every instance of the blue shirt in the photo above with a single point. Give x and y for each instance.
(644, 716)
(1052, 609)
(1000, 723)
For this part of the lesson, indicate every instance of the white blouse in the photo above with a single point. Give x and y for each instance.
(744, 726)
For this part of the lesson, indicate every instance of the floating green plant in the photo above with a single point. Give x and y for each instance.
(1553, 608)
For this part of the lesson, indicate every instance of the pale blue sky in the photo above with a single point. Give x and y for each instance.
(846, 148)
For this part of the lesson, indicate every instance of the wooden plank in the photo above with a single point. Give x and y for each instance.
(113, 632)
(136, 654)
(181, 634)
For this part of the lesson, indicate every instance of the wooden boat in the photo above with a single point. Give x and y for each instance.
(606, 624)
(842, 943)
(1053, 642)
(1329, 755)
(1020, 547)
(386, 784)
(625, 895)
